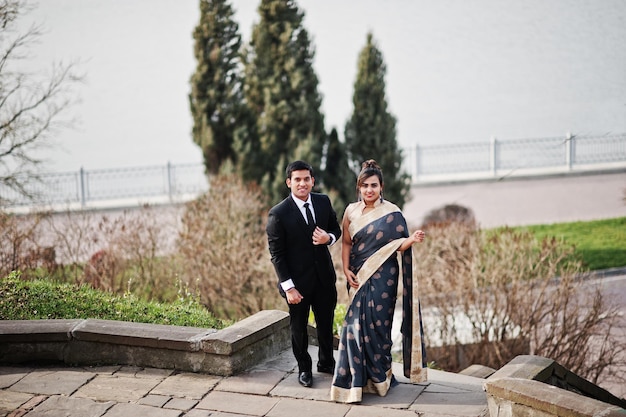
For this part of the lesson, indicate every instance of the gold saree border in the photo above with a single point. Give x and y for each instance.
(417, 372)
(355, 394)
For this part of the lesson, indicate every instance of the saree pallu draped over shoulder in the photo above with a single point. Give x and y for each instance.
(364, 362)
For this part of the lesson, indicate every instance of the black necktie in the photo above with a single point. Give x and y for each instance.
(309, 217)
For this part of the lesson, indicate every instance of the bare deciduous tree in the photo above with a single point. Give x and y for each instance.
(32, 105)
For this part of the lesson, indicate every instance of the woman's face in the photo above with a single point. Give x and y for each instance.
(370, 189)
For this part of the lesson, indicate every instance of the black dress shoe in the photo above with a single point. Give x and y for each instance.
(305, 379)
(326, 369)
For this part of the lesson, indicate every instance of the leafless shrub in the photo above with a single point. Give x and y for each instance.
(488, 297)
(73, 234)
(21, 247)
(224, 251)
(118, 252)
(449, 213)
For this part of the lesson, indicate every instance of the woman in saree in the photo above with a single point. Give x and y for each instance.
(374, 231)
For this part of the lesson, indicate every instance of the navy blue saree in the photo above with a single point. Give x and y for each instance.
(364, 362)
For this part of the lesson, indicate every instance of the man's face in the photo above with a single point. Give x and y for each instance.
(301, 183)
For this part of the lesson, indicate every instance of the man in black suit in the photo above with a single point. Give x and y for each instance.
(306, 276)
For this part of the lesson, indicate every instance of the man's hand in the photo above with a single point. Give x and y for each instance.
(320, 237)
(293, 296)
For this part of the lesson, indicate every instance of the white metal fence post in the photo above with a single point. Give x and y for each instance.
(569, 151)
(493, 156)
(169, 181)
(82, 182)
(415, 168)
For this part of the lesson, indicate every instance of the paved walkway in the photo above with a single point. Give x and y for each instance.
(270, 389)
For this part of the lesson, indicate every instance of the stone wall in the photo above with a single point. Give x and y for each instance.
(105, 342)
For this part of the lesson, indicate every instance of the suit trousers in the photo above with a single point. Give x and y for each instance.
(322, 300)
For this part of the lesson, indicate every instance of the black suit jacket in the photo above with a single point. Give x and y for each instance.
(293, 254)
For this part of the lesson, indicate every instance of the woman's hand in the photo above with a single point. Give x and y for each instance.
(418, 236)
(353, 281)
(415, 237)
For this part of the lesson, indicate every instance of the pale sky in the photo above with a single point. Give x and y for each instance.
(457, 71)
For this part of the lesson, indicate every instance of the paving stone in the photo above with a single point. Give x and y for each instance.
(182, 404)
(204, 413)
(449, 389)
(154, 372)
(117, 388)
(53, 381)
(137, 410)
(289, 407)
(187, 385)
(401, 396)
(478, 371)
(259, 382)
(291, 388)
(365, 411)
(34, 402)
(283, 361)
(457, 380)
(128, 370)
(67, 406)
(154, 400)
(18, 413)
(104, 370)
(10, 401)
(459, 404)
(9, 375)
(230, 402)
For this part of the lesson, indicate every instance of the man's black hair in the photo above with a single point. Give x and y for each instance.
(298, 166)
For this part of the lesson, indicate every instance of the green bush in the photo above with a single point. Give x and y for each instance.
(42, 299)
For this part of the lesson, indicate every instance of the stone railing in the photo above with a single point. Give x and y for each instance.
(106, 342)
(540, 387)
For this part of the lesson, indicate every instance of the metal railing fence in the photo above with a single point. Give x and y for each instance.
(498, 158)
(467, 162)
(169, 183)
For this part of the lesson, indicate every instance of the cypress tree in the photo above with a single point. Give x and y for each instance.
(281, 93)
(215, 99)
(338, 180)
(370, 133)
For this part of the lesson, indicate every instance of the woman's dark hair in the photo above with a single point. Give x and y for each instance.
(368, 168)
(298, 166)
